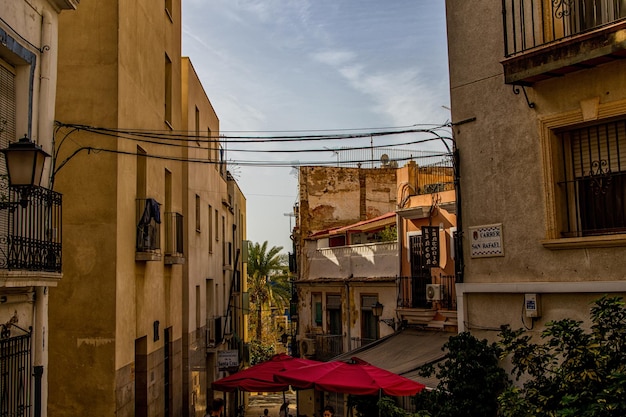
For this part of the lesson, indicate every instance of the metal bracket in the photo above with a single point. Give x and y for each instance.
(516, 91)
(389, 322)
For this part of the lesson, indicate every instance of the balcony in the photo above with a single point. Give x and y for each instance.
(418, 305)
(328, 346)
(369, 260)
(174, 252)
(148, 240)
(551, 38)
(30, 237)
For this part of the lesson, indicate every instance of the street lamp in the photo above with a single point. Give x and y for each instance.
(377, 312)
(24, 160)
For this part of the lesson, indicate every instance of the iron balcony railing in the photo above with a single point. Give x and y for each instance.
(357, 342)
(174, 234)
(532, 23)
(30, 237)
(435, 178)
(328, 346)
(412, 292)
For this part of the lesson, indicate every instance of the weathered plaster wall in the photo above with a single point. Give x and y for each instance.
(502, 170)
(504, 176)
(332, 196)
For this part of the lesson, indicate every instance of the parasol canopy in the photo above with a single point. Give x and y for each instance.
(260, 377)
(356, 377)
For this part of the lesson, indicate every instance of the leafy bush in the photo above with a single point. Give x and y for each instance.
(470, 380)
(573, 372)
(260, 352)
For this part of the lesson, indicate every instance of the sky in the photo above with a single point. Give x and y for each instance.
(309, 67)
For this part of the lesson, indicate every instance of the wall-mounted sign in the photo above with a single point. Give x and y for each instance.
(486, 241)
(430, 246)
(227, 359)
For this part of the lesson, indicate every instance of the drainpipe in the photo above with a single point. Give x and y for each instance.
(38, 376)
(458, 242)
(47, 93)
(40, 351)
(45, 120)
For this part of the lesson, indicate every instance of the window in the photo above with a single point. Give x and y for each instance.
(591, 186)
(414, 247)
(223, 240)
(197, 122)
(333, 309)
(198, 229)
(168, 90)
(210, 229)
(209, 145)
(316, 305)
(7, 104)
(217, 226)
(168, 191)
(369, 323)
(198, 308)
(142, 172)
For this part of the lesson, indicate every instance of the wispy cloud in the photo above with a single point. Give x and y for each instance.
(334, 58)
(404, 96)
(271, 65)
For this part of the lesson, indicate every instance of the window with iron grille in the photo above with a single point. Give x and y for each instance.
(592, 180)
(15, 376)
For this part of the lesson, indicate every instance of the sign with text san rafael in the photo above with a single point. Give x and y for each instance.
(486, 241)
(227, 359)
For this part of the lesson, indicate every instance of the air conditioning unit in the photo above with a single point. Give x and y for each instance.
(434, 292)
(307, 347)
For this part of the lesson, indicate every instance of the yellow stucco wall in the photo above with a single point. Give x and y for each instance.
(111, 74)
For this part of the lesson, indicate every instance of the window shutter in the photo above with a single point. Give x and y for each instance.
(7, 107)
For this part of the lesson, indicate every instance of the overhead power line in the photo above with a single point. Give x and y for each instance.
(235, 144)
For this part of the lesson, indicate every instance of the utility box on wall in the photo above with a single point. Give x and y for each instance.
(532, 305)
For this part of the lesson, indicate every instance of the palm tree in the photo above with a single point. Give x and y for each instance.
(268, 279)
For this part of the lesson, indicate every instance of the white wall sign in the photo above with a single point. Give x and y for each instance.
(486, 241)
(227, 359)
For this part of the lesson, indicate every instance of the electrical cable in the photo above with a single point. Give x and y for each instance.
(308, 150)
(248, 139)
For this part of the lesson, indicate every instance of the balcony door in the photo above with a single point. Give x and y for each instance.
(333, 311)
(420, 276)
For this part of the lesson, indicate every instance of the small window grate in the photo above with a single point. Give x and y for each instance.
(593, 182)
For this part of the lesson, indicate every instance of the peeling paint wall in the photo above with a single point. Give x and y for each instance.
(335, 196)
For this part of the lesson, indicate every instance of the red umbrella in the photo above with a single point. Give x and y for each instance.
(357, 378)
(260, 377)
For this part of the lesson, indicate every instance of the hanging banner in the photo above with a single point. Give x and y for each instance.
(430, 246)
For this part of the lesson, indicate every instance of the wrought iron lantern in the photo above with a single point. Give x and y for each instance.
(24, 160)
(377, 309)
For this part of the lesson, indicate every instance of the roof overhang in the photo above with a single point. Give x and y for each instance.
(404, 352)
